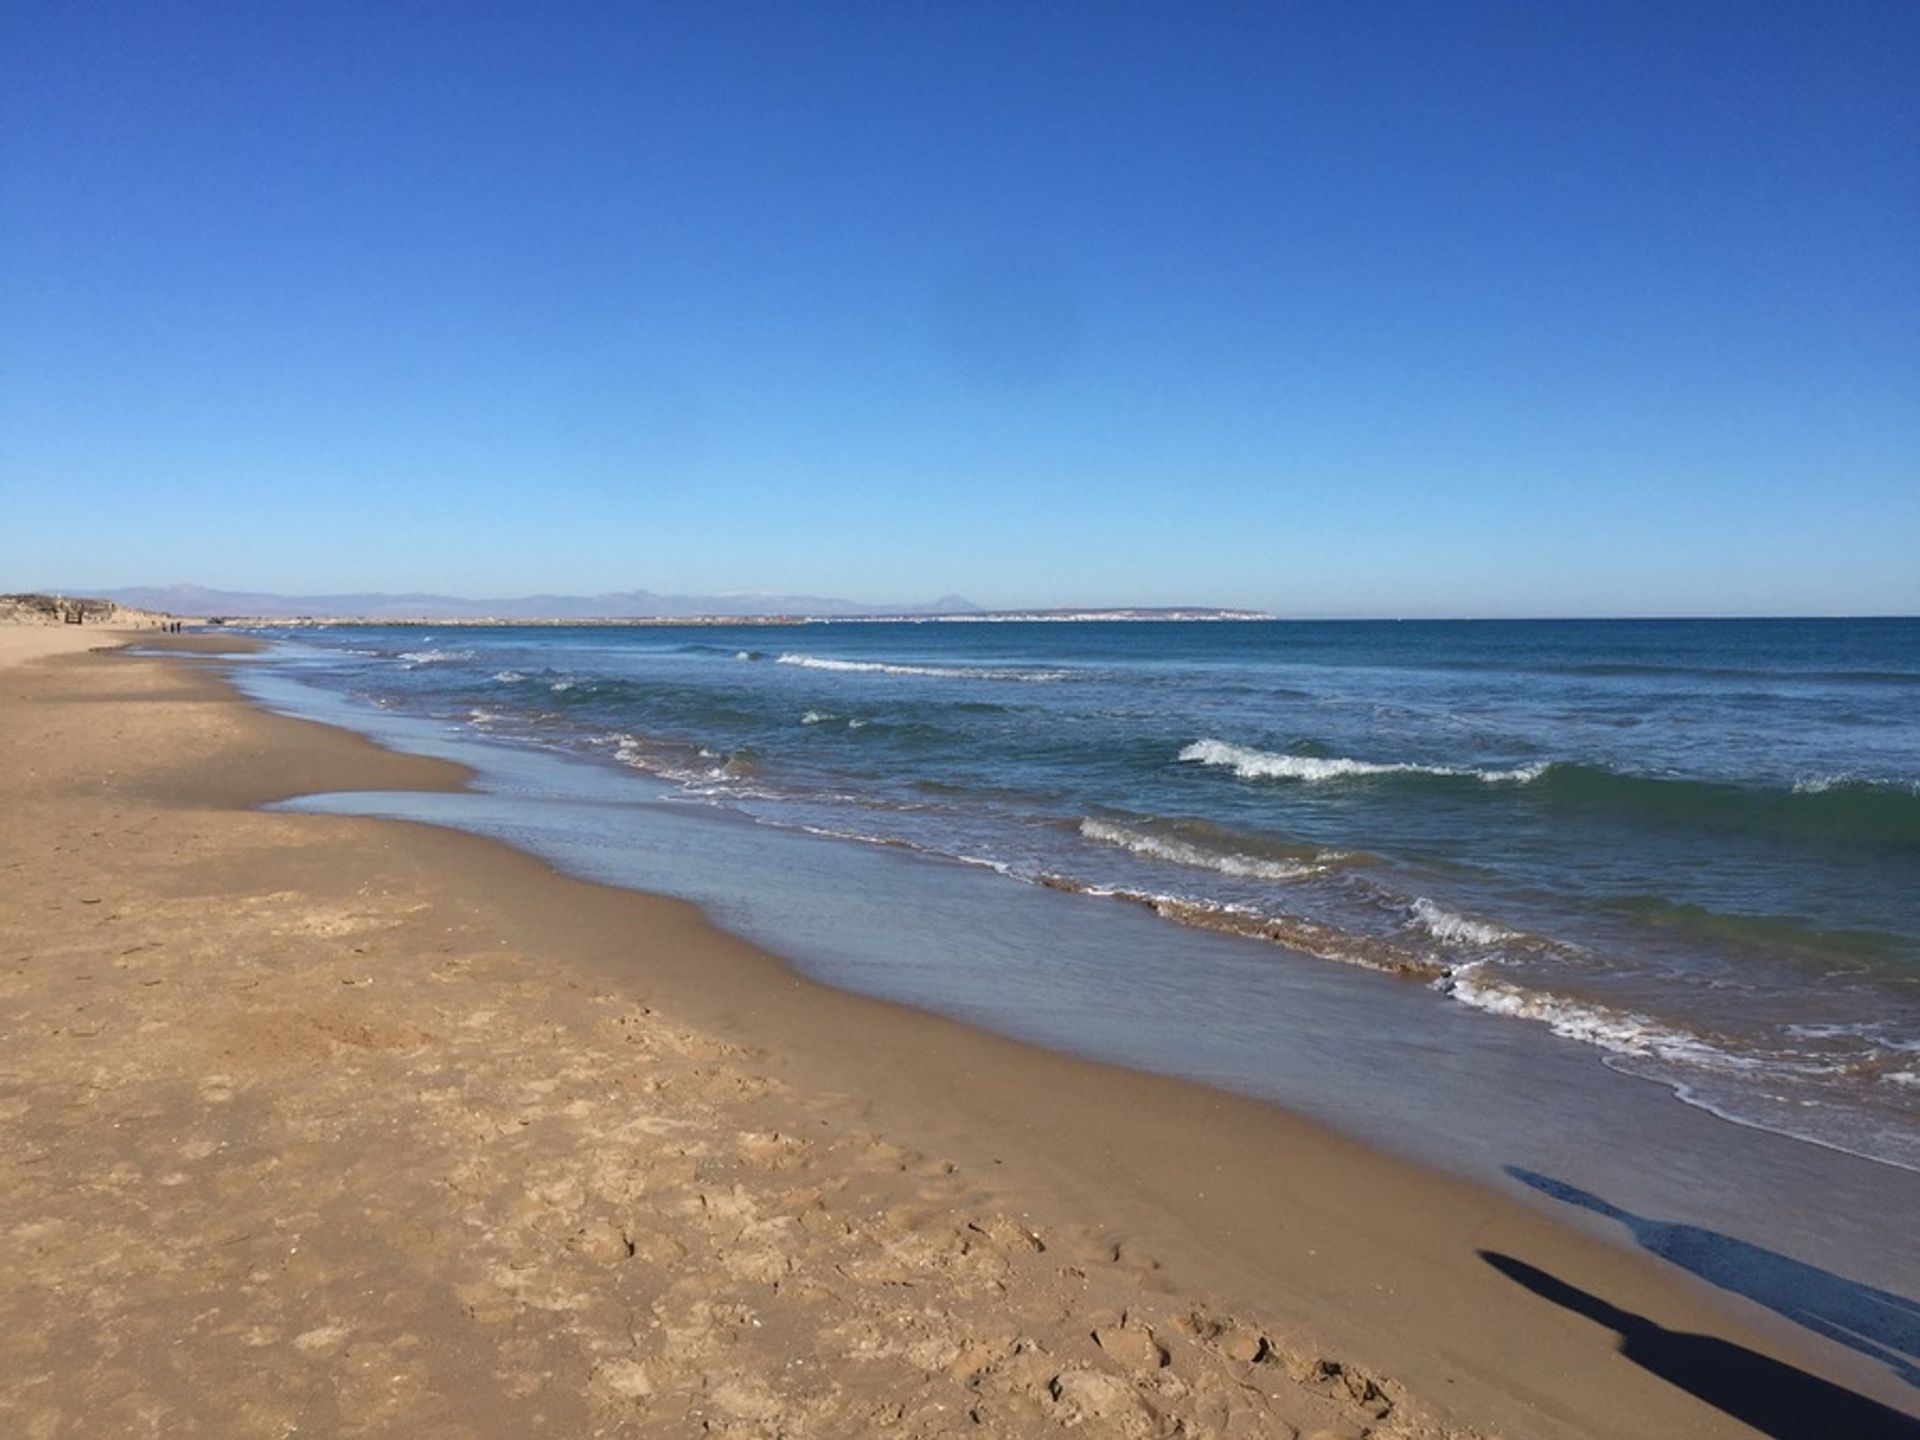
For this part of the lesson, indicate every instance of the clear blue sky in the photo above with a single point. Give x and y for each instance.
(1346, 308)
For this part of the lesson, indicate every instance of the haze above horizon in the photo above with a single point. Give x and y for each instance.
(1319, 310)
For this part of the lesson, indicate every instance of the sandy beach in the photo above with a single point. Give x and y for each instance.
(337, 1126)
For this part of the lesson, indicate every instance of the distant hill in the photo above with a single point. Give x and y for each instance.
(625, 604)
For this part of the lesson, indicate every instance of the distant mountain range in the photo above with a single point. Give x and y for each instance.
(621, 605)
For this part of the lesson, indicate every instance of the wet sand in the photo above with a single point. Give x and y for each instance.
(344, 1126)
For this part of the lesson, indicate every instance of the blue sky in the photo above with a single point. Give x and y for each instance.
(1351, 308)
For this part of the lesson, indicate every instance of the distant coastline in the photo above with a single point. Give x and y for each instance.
(1194, 614)
(624, 607)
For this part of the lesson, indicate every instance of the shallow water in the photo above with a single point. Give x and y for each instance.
(1690, 846)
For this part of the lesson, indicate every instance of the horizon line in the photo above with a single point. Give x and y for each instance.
(1227, 613)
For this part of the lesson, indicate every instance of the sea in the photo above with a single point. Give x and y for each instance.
(1635, 901)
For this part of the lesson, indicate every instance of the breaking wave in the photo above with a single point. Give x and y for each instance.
(1623, 1032)
(941, 672)
(1865, 784)
(1180, 852)
(1878, 812)
(1451, 929)
(1251, 764)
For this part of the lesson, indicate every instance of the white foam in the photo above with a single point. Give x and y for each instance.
(1251, 764)
(429, 657)
(817, 717)
(650, 757)
(1156, 847)
(1623, 1032)
(1868, 1030)
(942, 672)
(508, 677)
(1451, 929)
(1819, 784)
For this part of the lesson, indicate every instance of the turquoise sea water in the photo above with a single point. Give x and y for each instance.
(1692, 846)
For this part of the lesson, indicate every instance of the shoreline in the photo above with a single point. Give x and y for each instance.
(1399, 1066)
(1155, 1197)
(1576, 859)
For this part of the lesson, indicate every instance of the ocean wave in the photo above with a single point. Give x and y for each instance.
(1474, 983)
(631, 750)
(940, 672)
(508, 677)
(1780, 934)
(1608, 670)
(675, 761)
(1292, 932)
(890, 842)
(1842, 809)
(1251, 764)
(1825, 784)
(1451, 929)
(827, 717)
(432, 657)
(1180, 852)
(668, 759)
(707, 647)
(1623, 1032)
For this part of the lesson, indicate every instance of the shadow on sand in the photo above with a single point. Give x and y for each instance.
(1877, 1323)
(1774, 1398)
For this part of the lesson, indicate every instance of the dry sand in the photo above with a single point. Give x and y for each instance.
(20, 643)
(335, 1126)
